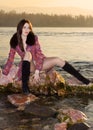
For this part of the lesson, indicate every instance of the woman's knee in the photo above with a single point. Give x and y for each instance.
(59, 61)
(28, 56)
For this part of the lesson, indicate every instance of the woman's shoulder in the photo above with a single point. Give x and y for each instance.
(36, 37)
(14, 36)
(36, 40)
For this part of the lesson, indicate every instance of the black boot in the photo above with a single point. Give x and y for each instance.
(70, 69)
(25, 76)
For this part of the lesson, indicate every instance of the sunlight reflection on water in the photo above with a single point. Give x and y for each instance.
(73, 44)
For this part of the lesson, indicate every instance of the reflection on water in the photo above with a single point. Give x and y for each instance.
(84, 104)
(73, 44)
(11, 119)
(89, 111)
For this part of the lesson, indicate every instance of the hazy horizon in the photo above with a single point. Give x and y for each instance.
(73, 7)
(86, 4)
(49, 10)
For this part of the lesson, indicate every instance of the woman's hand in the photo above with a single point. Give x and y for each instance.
(5, 79)
(36, 76)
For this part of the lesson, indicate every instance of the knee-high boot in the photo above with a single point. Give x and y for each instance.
(70, 69)
(25, 76)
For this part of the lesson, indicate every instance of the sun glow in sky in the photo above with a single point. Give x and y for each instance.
(87, 4)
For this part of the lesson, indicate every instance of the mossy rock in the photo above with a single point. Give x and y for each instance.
(50, 83)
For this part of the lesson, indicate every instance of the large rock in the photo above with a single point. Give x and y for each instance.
(50, 83)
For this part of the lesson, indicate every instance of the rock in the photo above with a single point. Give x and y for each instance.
(71, 116)
(41, 111)
(6, 79)
(74, 119)
(50, 83)
(60, 126)
(79, 126)
(21, 99)
(72, 81)
(46, 78)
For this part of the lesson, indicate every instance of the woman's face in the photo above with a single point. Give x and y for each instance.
(26, 29)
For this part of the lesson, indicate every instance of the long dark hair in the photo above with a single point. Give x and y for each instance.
(16, 38)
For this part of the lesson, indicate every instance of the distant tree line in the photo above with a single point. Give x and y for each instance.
(12, 18)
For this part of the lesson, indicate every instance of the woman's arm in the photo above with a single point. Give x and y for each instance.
(39, 55)
(39, 59)
(9, 62)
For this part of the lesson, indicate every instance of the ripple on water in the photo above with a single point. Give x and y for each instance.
(89, 112)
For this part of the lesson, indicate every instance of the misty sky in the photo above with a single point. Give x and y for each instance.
(87, 4)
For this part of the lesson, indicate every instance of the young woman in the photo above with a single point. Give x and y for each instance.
(26, 44)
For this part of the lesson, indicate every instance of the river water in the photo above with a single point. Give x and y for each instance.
(72, 44)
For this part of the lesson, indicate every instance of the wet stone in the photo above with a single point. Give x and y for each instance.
(46, 127)
(1, 118)
(41, 111)
(79, 126)
(21, 99)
